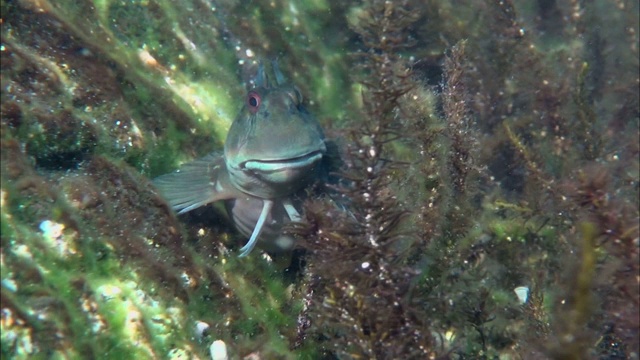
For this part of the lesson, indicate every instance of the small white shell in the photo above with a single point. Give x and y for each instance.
(51, 230)
(218, 350)
(522, 292)
(201, 327)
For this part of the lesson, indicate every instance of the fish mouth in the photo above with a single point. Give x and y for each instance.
(297, 162)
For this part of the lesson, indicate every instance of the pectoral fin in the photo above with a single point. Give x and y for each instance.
(266, 210)
(196, 184)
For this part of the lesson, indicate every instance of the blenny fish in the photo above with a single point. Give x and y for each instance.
(273, 152)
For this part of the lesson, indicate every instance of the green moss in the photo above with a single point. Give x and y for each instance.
(7, 230)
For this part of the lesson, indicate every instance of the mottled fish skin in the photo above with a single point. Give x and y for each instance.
(273, 152)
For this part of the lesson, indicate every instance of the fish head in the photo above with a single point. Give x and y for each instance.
(274, 146)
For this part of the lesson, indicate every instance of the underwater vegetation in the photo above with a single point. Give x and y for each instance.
(488, 188)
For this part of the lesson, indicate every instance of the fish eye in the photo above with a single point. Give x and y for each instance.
(253, 101)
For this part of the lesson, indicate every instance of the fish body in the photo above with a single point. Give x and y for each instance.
(274, 150)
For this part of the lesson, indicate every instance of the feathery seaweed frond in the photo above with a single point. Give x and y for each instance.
(359, 256)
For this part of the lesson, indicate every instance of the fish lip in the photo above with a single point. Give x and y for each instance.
(280, 164)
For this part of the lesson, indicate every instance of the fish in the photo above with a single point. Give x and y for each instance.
(274, 152)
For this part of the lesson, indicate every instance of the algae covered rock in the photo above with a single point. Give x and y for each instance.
(96, 99)
(58, 139)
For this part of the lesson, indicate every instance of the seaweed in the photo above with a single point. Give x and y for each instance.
(357, 259)
(427, 233)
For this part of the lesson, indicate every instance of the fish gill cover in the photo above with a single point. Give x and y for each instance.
(486, 148)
